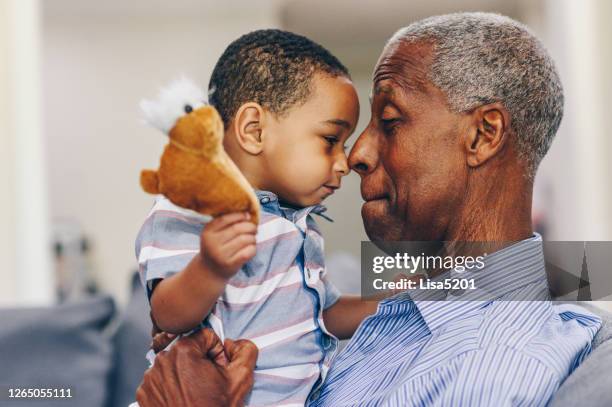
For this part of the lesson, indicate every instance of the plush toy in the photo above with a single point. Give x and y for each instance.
(195, 172)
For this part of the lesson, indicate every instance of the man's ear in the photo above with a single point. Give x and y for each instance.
(488, 134)
(248, 125)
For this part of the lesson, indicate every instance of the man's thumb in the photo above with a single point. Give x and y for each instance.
(241, 353)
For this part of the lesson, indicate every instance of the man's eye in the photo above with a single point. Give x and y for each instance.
(390, 124)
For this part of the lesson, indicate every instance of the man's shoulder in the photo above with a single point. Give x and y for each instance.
(556, 336)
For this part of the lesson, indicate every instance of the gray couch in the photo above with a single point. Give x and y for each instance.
(85, 346)
(99, 355)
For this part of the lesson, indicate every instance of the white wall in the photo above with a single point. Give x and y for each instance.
(576, 174)
(96, 69)
(26, 272)
(7, 204)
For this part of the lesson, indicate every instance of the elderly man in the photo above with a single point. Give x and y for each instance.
(464, 107)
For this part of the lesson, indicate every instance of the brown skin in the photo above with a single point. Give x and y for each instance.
(299, 155)
(428, 173)
(177, 378)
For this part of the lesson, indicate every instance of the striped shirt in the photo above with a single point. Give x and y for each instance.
(515, 349)
(276, 300)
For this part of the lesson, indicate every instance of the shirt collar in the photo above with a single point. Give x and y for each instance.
(270, 203)
(505, 272)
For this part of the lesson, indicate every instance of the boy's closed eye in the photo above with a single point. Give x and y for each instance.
(331, 140)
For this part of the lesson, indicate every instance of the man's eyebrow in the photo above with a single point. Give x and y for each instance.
(339, 122)
(378, 89)
(383, 89)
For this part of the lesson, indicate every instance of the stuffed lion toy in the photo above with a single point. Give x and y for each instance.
(195, 172)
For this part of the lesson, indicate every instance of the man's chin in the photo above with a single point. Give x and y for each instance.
(376, 219)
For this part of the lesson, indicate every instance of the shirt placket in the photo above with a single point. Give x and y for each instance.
(311, 249)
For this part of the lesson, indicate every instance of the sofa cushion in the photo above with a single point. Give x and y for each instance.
(131, 343)
(57, 347)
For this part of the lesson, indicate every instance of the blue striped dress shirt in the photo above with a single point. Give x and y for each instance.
(512, 349)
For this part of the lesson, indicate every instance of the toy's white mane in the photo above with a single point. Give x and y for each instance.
(165, 110)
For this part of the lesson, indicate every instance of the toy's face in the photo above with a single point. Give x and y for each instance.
(305, 149)
(198, 129)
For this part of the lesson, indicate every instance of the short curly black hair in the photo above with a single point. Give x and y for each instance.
(271, 67)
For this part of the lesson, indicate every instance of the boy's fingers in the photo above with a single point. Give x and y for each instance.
(221, 222)
(243, 255)
(243, 227)
(238, 243)
(223, 236)
(227, 235)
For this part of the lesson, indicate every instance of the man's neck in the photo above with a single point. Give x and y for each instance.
(494, 212)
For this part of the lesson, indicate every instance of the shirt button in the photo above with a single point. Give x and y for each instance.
(315, 395)
(265, 200)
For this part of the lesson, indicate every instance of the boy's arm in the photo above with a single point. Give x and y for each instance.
(180, 302)
(343, 318)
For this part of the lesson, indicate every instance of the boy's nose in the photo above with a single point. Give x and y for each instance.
(364, 155)
(342, 165)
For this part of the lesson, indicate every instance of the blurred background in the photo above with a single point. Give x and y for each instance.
(72, 144)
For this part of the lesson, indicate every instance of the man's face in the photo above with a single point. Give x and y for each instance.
(410, 156)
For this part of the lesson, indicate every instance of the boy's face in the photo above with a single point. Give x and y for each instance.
(304, 149)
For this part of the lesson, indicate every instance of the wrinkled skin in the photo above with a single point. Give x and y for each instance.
(176, 379)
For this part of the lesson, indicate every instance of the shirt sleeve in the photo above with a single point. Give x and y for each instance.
(332, 294)
(501, 376)
(165, 245)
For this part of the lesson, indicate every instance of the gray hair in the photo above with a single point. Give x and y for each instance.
(481, 58)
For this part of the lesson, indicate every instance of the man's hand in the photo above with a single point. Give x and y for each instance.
(227, 242)
(198, 371)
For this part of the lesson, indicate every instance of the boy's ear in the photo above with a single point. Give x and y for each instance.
(248, 124)
(488, 133)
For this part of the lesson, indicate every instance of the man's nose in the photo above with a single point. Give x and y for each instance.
(363, 155)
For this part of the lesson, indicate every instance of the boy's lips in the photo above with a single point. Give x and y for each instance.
(331, 188)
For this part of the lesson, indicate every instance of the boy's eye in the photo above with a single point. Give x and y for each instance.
(332, 140)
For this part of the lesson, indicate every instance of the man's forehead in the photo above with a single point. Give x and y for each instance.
(405, 64)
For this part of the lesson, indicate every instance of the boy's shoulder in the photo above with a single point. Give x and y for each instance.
(169, 225)
(164, 207)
